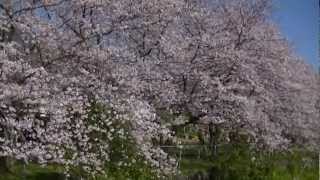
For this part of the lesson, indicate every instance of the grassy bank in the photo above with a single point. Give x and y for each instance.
(230, 163)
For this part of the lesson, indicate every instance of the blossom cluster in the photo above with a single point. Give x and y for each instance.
(220, 62)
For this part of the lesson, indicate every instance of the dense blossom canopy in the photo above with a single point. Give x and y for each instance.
(219, 61)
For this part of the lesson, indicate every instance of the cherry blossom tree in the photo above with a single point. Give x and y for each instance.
(217, 61)
(52, 69)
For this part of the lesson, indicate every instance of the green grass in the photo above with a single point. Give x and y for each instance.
(242, 163)
(230, 163)
(18, 171)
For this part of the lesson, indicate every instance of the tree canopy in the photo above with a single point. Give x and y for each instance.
(218, 61)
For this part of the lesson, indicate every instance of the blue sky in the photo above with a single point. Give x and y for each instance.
(299, 23)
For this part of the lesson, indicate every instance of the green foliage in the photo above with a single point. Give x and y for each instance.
(232, 162)
(241, 162)
(126, 162)
(238, 160)
(19, 171)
